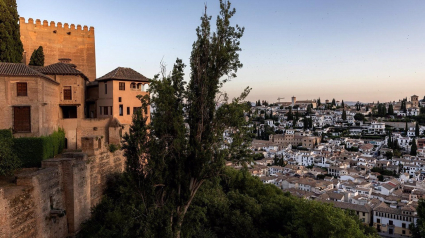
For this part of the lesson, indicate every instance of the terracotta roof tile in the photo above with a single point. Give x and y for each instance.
(17, 69)
(61, 69)
(122, 73)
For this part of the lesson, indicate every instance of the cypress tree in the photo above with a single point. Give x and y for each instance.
(342, 104)
(414, 148)
(37, 57)
(11, 48)
(417, 129)
(405, 129)
(391, 109)
(344, 115)
(290, 116)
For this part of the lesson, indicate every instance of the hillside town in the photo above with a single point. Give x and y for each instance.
(349, 155)
(119, 154)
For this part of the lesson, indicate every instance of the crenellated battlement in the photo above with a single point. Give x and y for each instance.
(60, 40)
(58, 27)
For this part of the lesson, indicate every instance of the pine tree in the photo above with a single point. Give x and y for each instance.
(37, 57)
(414, 147)
(11, 48)
(179, 158)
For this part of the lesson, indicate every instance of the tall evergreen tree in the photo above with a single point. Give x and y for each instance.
(406, 128)
(414, 147)
(318, 102)
(37, 57)
(180, 160)
(342, 104)
(391, 109)
(11, 48)
(417, 129)
(290, 115)
(333, 102)
(344, 115)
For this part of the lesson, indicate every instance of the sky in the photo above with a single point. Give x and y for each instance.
(348, 50)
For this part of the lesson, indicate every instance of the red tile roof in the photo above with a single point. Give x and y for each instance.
(17, 69)
(122, 73)
(61, 69)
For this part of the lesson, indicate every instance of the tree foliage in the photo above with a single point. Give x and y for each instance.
(11, 48)
(344, 115)
(37, 57)
(172, 157)
(414, 148)
(233, 205)
(8, 159)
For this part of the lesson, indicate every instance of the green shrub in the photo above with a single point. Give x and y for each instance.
(114, 147)
(8, 159)
(33, 150)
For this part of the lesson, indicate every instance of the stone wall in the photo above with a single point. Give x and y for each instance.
(60, 41)
(400, 125)
(54, 200)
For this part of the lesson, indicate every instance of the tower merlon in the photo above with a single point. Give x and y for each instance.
(66, 27)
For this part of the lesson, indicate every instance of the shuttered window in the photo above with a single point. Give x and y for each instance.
(21, 89)
(22, 119)
(122, 86)
(67, 93)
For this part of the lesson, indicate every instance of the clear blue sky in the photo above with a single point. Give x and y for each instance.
(350, 50)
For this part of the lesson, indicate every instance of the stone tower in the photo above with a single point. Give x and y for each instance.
(294, 100)
(60, 41)
(415, 101)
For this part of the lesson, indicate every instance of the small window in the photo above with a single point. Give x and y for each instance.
(378, 220)
(106, 88)
(128, 110)
(403, 232)
(403, 225)
(122, 86)
(100, 110)
(67, 93)
(21, 89)
(105, 111)
(121, 108)
(119, 99)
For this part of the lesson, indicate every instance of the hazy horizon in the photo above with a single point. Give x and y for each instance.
(353, 51)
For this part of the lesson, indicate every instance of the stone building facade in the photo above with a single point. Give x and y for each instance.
(60, 41)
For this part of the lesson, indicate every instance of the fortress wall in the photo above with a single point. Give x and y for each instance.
(73, 183)
(60, 41)
(20, 213)
(47, 196)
